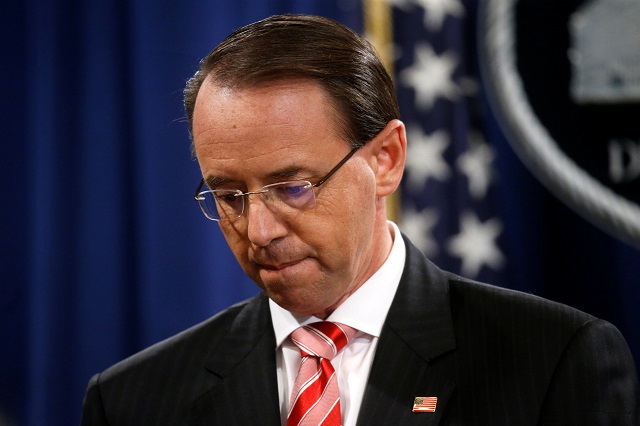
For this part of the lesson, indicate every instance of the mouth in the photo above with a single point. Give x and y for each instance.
(279, 266)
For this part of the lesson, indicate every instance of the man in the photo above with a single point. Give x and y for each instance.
(296, 129)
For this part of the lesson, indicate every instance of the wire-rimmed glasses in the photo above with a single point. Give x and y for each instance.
(294, 195)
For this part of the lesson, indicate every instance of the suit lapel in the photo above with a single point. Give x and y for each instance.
(413, 355)
(243, 368)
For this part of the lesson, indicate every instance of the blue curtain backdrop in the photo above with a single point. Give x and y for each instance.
(104, 251)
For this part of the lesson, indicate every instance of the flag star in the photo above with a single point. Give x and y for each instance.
(476, 244)
(418, 226)
(436, 10)
(475, 163)
(431, 76)
(425, 157)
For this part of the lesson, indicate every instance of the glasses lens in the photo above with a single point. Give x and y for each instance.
(296, 194)
(221, 204)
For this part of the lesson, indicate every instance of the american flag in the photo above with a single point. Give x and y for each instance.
(447, 192)
(425, 404)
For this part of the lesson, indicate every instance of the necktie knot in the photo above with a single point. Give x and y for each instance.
(315, 397)
(322, 339)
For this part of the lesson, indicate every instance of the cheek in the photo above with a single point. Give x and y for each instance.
(353, 198)
(359, 203)
(235, 240)
(340, 224)
(239, 245)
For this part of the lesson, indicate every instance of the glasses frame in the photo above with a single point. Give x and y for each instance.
(264, 188)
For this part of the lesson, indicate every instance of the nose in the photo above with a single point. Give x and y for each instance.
(263, 224)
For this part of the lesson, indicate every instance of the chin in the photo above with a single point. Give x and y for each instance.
(301, 304)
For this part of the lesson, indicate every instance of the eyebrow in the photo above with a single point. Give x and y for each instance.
(286, 173)
(282, 174)
(215, 181)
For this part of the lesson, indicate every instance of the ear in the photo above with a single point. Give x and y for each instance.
(389, 154)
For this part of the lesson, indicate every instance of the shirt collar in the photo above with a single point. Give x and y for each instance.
(366, 309)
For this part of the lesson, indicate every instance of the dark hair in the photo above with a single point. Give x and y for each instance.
(309, 47)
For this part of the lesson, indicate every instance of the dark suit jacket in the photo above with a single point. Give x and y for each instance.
(491, 356)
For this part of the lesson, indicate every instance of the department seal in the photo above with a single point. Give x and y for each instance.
(563, 79)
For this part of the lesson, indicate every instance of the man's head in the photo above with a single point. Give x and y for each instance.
(259, 118)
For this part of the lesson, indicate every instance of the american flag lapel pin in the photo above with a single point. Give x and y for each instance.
(425, 404)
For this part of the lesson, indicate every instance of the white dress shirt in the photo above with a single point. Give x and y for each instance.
(366, 310)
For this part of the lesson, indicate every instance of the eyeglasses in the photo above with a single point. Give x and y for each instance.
(290, 196)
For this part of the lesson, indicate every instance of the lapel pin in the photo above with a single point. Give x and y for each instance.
(425, 404)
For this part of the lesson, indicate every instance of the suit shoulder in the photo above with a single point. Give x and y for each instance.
(179, 369)
(497, 305)
(530, 326)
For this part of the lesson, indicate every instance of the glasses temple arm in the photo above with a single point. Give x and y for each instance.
(335, 169)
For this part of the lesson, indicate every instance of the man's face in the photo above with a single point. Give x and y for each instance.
(307, 262)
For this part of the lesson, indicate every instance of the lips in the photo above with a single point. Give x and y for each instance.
(275, 260)
(279, 266)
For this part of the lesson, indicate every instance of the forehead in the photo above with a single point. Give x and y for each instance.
(276, 101)
(279, 123)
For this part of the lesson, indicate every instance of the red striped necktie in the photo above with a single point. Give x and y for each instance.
(315, 398)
